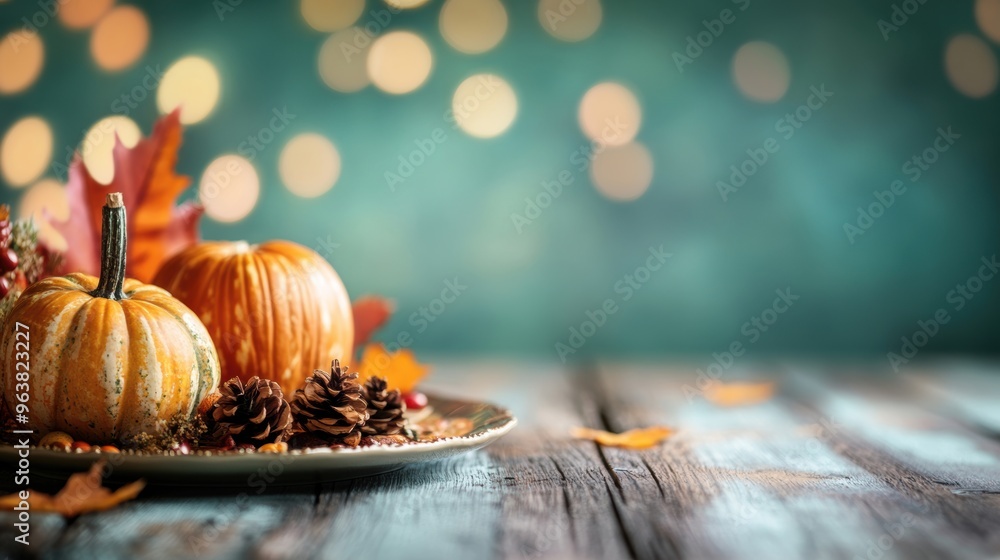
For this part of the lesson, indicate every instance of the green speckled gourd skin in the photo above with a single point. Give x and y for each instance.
(105, 370)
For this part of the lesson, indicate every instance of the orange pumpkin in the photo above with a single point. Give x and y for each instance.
(277, 310)
(104, 359)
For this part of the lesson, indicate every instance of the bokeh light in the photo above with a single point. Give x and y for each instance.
(473, 26)
(25, 151)
(971, 66)
(21, 57)
(98, 145)
(309, 165)
(484, 105)
(610, 113)
(120, 38)
(622, 173)
(399, 62)
(760, 71)
(406, 4)
(191, 83)
(988, 18)
(229, 188)
(46, 198)
(331, 15)
(568, 20)
(81, 14)
(341, 62)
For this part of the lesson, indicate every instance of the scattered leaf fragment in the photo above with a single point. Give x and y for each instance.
(639, 438)
(740, 393)
(83, 493)
(401, 369)
(370, 314)
(145, 175)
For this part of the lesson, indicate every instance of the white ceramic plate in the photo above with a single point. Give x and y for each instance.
(488, 423)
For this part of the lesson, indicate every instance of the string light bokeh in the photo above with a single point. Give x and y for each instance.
(411, 134)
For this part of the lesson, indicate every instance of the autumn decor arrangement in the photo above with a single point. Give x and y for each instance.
(277, 310)
(110, 357)
(121, 366)
(255, 413)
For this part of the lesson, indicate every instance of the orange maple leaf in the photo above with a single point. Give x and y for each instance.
(639, 438)
(401, 369)
(370, 313)
(83, 493)
(144, 174)
(739, 393)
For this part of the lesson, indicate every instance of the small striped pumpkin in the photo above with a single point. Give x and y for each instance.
(104, 359)
(277, 310)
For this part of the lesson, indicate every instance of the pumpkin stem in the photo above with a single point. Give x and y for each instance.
(114, 240)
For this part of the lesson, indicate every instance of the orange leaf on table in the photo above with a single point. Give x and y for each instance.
(144, 174)
(83, 493)
(639, 438)
(370, 314)
(739, 393)
(401, 369)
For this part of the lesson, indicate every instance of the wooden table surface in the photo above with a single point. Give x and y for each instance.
(845, 462)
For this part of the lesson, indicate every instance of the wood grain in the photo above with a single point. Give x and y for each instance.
(842, 463)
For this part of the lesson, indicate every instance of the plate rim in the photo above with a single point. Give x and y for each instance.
(501, 422)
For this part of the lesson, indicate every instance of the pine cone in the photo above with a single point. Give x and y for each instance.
(331, 404)
(385, 409)
(256, 413)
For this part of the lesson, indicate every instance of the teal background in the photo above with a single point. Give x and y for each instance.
(525, 291)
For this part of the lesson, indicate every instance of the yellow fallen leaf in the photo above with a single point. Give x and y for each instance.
(83, 493)
(739, 393)
(640, 438)
(401, 369)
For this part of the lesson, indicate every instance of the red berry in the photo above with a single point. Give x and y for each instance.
(415, 400)
(8, 260)
(5, 285)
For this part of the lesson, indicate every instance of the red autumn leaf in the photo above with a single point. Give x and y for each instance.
(370, 314)
(144, 174)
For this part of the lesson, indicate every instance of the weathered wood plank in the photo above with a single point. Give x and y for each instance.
(951, 472)
(557, 500)
(969, 391)
(758, 481)
(886, 412)
(850, 466)
(43, 533)
(195, 527)
(535, 494)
